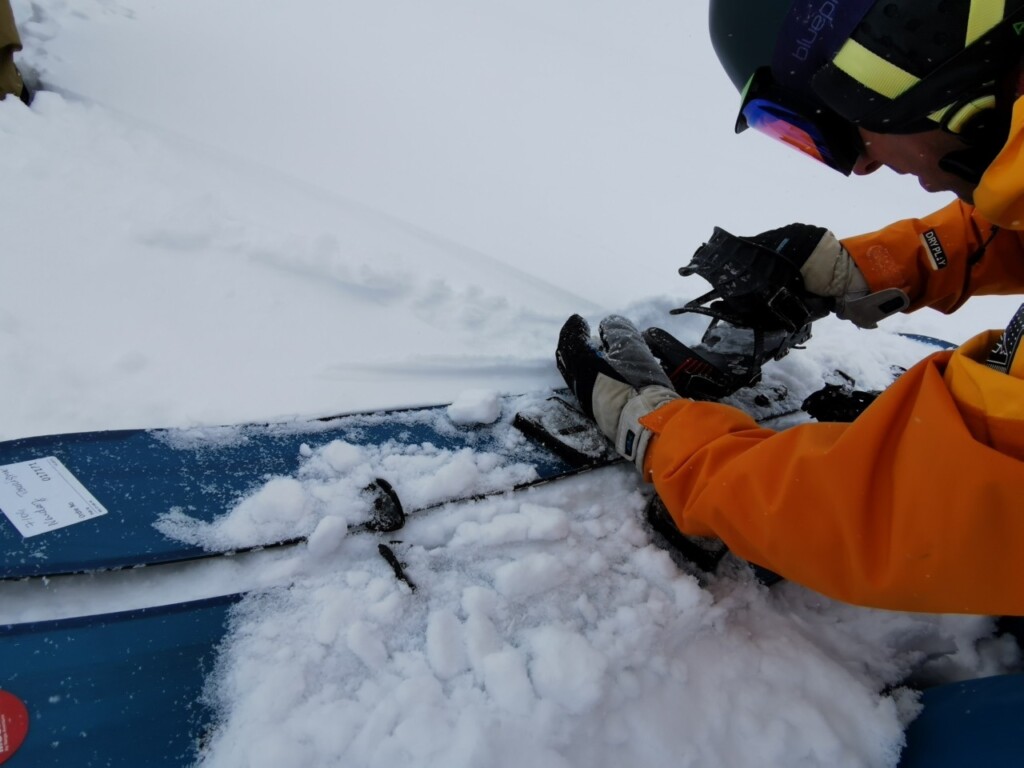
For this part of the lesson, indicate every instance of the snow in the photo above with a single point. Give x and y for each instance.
(334, 479)
(475, 406)
(564, 639)
(248, 211)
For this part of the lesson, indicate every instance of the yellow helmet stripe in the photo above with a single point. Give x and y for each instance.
(939, 116)
(984, 15)
(964, 112)
(872, 71)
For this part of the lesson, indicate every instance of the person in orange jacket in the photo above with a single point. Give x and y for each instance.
(917, 504)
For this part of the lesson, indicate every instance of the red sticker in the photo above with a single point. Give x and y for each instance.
(13, 725)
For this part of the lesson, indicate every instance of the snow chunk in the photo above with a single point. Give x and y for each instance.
(506, 680)
(529, 576)
(276, 512)
(341, 456)
(532, 523)
(566, 668)
(327, 535)
(545, 523)
(475, 406)
(446, 650)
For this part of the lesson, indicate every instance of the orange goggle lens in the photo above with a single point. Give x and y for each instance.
(790, 128)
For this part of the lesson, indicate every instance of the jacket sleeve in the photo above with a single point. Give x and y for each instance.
(916, 505)
(931, 259)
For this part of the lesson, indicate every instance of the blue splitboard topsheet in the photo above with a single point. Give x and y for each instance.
(122, 690)
(139, 475)
(971, 723)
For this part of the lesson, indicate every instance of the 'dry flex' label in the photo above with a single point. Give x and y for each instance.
(42, 495)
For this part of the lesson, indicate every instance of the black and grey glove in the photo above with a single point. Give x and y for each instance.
(828, 269)
(617, 381)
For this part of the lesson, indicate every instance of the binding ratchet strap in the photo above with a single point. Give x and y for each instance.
(718, 316)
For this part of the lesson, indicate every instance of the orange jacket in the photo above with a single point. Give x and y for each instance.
(919, 503)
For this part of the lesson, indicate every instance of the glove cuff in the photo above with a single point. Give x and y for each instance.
(632, 437)
(830, 271)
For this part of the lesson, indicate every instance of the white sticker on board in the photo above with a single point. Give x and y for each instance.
(42, 495)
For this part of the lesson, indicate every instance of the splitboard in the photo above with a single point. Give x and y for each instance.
(125, 689)
(120, 690)
(88, 501)
(973, 722)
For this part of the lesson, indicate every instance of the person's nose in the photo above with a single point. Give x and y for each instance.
(865, 165)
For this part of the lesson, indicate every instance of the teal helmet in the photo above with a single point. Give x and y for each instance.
(810, 67)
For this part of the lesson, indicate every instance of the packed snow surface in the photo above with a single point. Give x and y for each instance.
(235, 211)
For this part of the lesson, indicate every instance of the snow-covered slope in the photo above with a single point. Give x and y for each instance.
(233, 210)
(306, 204)
(149, 282)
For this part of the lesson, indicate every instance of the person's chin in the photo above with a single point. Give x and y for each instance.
(967, 196)
(962, 189)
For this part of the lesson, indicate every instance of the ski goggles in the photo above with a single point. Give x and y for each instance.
(801, 123)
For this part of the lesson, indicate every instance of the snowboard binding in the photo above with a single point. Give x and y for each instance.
(759, 310)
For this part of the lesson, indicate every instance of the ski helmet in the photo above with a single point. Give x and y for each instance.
(743, 34)
(890, 66)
